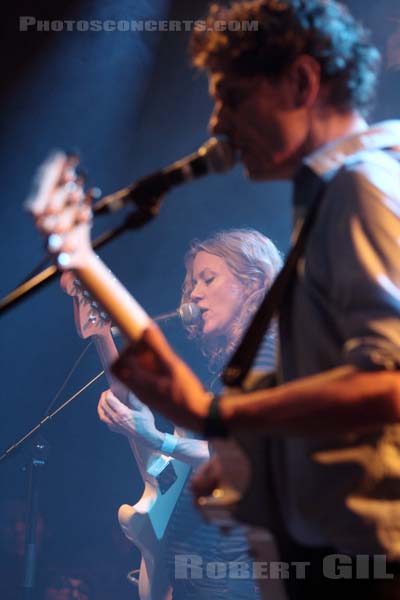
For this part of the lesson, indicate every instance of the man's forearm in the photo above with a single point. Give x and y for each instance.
(339, 400)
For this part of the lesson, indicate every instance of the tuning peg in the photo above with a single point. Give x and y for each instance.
(54, 242)
(95, 193)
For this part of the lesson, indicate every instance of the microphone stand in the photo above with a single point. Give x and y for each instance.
(134, 220)
(38, 458)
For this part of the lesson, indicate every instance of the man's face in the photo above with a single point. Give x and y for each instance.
(260, 118)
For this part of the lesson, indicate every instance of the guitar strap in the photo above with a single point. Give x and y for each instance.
(308, 191)
(306, 185)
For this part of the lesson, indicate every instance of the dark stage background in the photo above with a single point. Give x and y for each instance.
(130, 103)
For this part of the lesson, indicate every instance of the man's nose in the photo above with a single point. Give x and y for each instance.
(217, 124)
(212, 124)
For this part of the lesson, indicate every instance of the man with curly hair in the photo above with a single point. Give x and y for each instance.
(292, 96)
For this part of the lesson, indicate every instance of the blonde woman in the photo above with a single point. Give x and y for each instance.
(227, 276)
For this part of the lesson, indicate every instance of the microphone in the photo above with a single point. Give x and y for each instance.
(214, 156)
(188, 312)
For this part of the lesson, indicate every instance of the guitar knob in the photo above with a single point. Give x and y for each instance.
(77, 283)
(104, 316)
(85, 294)
(94, 305)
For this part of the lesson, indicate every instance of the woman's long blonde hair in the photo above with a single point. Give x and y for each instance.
(251, 257)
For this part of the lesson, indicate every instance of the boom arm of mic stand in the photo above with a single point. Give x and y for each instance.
(134, 220)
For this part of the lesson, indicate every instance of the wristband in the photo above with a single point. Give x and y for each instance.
(214, 427)
(169, 444)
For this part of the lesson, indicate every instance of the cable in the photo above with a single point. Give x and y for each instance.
(68, 377)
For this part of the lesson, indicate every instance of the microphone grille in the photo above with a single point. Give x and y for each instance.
(218, 154)
(189, 313)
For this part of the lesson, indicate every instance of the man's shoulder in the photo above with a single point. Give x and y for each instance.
(377, 144)
(367, 184)
(376, 160)
(368, 173)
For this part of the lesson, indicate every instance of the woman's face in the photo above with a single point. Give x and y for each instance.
(217, 292)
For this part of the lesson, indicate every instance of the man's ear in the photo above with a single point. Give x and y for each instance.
(304, 77)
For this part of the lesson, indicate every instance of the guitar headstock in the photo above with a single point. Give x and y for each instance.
(62, 210)
(90, 318)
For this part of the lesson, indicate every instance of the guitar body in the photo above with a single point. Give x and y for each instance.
(145, 524)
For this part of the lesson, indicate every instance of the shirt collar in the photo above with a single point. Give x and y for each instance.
(327, 160)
